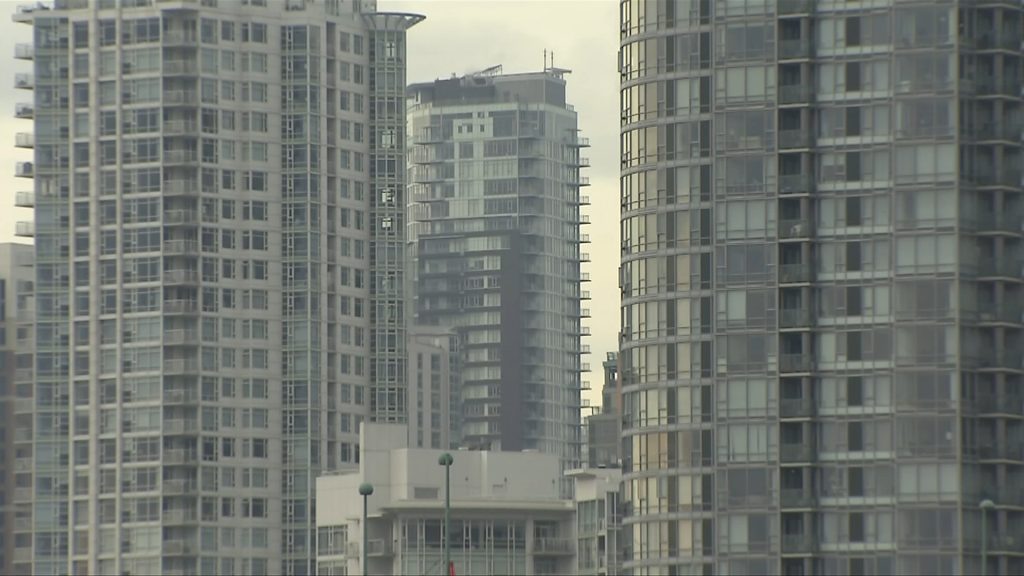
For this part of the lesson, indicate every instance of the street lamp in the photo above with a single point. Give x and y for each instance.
(446, 461)
(985, 506)
(365, 490)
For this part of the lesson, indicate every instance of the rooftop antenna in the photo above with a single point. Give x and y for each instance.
(545, 59)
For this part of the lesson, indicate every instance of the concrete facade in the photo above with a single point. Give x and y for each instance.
(219, 279)
(433, 352)
(506, 516)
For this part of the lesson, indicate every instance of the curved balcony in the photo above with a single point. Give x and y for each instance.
(24, 81)
(24, 110)
(24, 140)
(25, 199)
(25, 229)
(24, 51)
(24, 170)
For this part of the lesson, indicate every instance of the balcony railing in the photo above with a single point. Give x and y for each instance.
(177, 457)
(180, 187)
(180, 336)
(24, 170)
(799, 138)
(796, 498)
(25, 199)
(794, 228)
(181, 277)
(171, 67)
(180, 397)
(24, 51)
(178, 516)
(24, 81)
(1001, 268)
(553, 546)
(998, 405)
(179, 486)
(180, 127)
(180, 366)
(788, 7)
(181, 157)
(795, 453)
(23, 375)
(25, 229)
(794, 273)
(795, 94)
(181, 217)
(24, 110)
(181, 97)
(1008, 222)
(797, 544)
(1007, 451)
(794, 317)
(796, 407)
(794, 363)
(178, 548)
(798, 48)
(179, 38)
(180, 306)
(180, 426)
(795, 184)
(24, 140)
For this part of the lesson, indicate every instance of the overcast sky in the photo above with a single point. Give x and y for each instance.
(458, 36)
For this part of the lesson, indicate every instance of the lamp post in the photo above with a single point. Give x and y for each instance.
(446, 461)
(985, 506)
(365, 490)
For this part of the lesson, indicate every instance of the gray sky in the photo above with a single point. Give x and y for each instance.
(458, 36)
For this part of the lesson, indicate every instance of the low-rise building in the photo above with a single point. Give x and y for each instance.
(506, 516)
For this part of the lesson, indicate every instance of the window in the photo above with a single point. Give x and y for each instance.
(853, 31)
(855, 436)
(856, 526)
(853, 256)
(855, 481)
(854, 391)
(853, 76)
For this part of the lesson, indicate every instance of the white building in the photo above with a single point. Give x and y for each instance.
(506, 516)
(433, 378)
(599, 543)
(206, 236)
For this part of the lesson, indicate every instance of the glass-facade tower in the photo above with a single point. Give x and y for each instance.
(821, 286)
(205, 181)
(495, 220)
